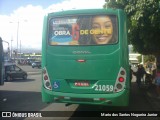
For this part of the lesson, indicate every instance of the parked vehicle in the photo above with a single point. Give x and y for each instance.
(30, 61)
(36, 64)
(12, 71)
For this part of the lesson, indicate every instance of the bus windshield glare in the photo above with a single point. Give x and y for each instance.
(83, 30)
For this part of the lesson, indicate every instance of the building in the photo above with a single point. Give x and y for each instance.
(133, 58)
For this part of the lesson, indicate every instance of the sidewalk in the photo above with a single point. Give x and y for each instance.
(33, 73)
(150, 93)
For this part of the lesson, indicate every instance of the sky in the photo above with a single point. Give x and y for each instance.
(25, 18)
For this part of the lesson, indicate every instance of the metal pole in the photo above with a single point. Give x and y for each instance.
(17, 36)
(8, 47)
(142, 59)
(11, 48)
(20, 48)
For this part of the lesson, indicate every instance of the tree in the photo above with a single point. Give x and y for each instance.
(143, 23)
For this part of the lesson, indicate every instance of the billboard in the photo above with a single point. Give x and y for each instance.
(83, 30)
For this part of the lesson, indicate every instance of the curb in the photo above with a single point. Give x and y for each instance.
(33, 73)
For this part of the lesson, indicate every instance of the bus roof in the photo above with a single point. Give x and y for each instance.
(85, 11)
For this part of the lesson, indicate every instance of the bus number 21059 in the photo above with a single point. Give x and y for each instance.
(107, 88)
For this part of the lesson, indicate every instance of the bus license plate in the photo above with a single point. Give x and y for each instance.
(81, 83)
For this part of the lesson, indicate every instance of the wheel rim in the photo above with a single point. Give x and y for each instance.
(8, 78)
(25, 77)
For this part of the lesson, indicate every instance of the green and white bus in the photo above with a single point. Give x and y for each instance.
(85, 57)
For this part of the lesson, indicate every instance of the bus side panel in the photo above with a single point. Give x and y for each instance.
(45, 97)
(124, 45)
(125, 51)
(44, 43)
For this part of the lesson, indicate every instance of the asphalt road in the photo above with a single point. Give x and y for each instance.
(25, 95)
(30, 70)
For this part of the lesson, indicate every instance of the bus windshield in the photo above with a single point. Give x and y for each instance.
(83, 30)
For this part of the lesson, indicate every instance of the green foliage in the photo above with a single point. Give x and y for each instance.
(143, 23)
(150, 58)
(147, 58)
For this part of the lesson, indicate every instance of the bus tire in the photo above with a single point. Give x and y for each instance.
(24, 77)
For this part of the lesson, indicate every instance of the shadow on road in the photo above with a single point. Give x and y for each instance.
(21, 101)
(138, 103)
(21, 80)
